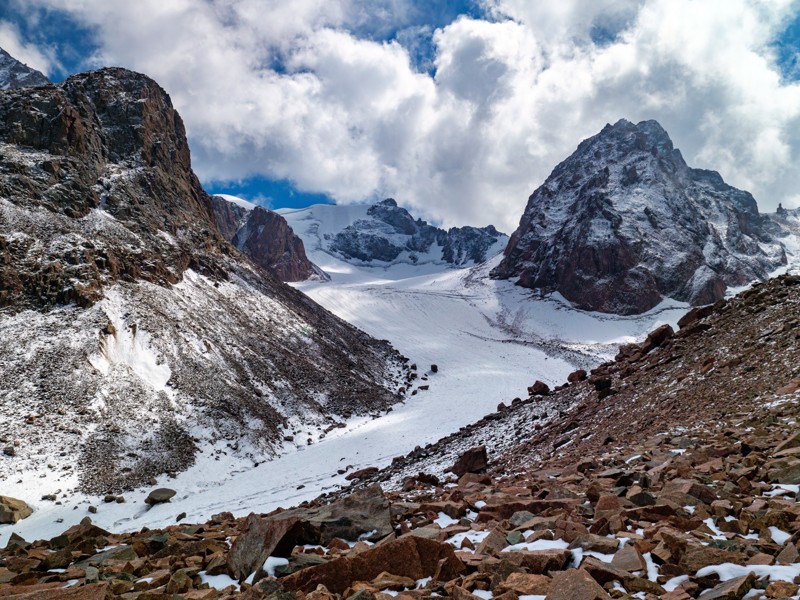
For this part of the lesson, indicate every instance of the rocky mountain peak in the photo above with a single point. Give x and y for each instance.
(15, 74)
(624, 222)
(266, 238)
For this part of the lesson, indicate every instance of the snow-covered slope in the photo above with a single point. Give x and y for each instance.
(624, 222)
(385, 234)
(14, 74)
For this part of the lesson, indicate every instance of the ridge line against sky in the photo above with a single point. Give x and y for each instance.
(458, 109)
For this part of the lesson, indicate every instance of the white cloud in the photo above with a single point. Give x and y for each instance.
(510, 97)
(41, 59)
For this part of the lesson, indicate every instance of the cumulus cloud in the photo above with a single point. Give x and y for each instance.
(308, 91)
(42, 59)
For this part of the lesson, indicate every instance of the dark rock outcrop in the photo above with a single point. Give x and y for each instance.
(15, 75)
(267, 239)
(624, 222)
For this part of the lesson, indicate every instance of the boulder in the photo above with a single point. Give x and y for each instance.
(733, 589)
(13, 510)
(411, 557)
(576, 376)
(525, 584)
(575, 584)
(258, 540)
(657, 337)
(473, 460)
(362, 473)
(539, 388)
(159, 496)
(365, 511)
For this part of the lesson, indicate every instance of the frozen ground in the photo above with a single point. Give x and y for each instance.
(489, 339)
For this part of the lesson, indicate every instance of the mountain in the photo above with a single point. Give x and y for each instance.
(624, 223)
(14, 74)
(265, 237)
(385, 234)
(134, 339)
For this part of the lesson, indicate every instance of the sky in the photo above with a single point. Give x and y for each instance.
(458, 109)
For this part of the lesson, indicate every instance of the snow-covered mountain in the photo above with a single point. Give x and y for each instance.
(385, 234)
(265, 237)
(624, 222)
(134, 339)
(15, 75)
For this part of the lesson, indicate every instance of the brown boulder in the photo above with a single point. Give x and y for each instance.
(13, 510)
(539, 388)
(473, 460)
(656, 338)
(539, 562)
(412, 557)
(525, 584)
(575, 584)
(258, 540)
(95, 591)
(365, 511)
(733, 589)
(576, 376)
(362, 473)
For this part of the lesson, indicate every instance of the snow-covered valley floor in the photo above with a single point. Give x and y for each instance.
(490, 340)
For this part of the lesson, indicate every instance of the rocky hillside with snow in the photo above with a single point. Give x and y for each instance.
(385, 234)
(265, 237)
(15, 75)
(671, 472)
(624, 223)
(133, 336)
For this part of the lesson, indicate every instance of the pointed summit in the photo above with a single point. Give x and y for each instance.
(624, 223)
(15, 75)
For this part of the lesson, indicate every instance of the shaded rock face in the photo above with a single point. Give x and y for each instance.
(15, 75)
(119, 296)
(390, 231)
(624, 222)
(267, 239)
(105, 140)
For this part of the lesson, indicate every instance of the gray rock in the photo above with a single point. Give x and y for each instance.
(159, 496)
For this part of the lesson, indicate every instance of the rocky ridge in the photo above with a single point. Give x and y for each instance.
(388, 233)
(624, 223)
(15, 75)
(119, 295)
(266, 238)
(671, 472)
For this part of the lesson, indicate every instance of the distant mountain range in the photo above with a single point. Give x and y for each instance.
(384, 234)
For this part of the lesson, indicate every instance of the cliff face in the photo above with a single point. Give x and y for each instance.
(624, 222)
(131, 330)
(267, 239)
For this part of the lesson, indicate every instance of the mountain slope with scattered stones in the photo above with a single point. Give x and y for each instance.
(134, 339)
(624, 223)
